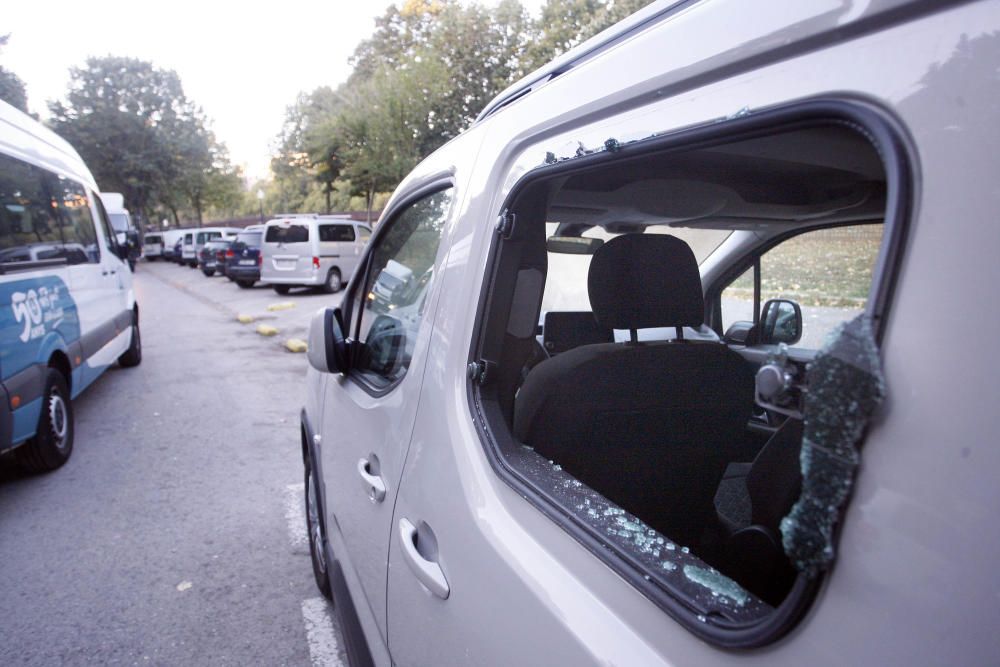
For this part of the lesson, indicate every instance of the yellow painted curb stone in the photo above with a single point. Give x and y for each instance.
(284, 305)
(296, 345)
(266, 330)
(244, 319)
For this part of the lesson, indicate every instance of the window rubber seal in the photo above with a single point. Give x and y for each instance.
(895, 148)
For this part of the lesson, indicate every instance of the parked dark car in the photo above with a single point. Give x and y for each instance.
(243, 258)
(208, 256)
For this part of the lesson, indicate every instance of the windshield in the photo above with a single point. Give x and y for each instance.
(566, 286)
(251, 239)
(119, 221)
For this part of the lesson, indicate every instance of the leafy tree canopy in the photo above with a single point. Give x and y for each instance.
(133, 125)
(12, 89)
(420, 79)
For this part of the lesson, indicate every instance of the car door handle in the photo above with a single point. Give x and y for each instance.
(427, 571)
(373, 484)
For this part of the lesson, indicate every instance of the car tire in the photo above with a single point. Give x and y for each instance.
(317, 535)
(208, 272)
(281, 289)
(333, 282)
(133, 355)
(245, 284)
(53, 441)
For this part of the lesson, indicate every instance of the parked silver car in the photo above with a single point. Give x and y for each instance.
(311, 250)
(672, 373)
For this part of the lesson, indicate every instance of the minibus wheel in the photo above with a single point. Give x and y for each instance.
(133, 355)
(53, 441)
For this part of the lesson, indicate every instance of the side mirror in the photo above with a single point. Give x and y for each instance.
(780, 322)
(327, 350)
(384, 344)
(740, 333)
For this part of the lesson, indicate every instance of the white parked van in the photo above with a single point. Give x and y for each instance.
(67, 308)
(126, 233)
(152, 246)
(678, 355)
(194, 239)
(311, 250)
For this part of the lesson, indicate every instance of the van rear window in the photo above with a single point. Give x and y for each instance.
(289, 234)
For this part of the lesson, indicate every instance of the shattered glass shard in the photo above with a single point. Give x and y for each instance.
(845, 387)
(717, 583)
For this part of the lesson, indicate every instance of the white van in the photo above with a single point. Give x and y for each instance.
(67, 308)
(152, 246)
(758, 242)
(126, 233)
(170, 239)
(194, 239)
(311, 250)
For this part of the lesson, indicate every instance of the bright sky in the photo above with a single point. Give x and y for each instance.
(244, 63)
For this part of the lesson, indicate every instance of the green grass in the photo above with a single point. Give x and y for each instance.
(830, 267)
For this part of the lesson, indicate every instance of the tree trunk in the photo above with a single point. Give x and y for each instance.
(369, 200)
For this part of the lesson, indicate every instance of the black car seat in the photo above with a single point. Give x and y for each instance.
(649, 425)
(565, 330)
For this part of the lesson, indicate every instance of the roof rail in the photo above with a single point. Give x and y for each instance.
(583, 52)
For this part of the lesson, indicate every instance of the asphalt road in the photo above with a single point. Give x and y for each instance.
(175, 534)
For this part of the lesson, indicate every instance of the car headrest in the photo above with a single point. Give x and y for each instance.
(638, 281)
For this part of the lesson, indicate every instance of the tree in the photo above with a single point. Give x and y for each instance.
(421, 78)
(12, 89)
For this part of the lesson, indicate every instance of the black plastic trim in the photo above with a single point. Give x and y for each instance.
(28, 385)
(358, 653)
(6, 421)
(887, 135)
(102, 335)
(34, 265)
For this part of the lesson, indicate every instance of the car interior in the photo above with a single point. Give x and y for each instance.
(610, 371)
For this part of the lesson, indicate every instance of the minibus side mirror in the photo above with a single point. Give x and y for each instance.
(327, 350)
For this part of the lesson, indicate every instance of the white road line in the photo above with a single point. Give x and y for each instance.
(295, 516)
(319, 632)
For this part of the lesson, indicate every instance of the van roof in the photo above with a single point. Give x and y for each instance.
(23, 137)
(597, 44)
(307, 217)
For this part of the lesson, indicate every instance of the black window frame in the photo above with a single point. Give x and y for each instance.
(889, 138)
